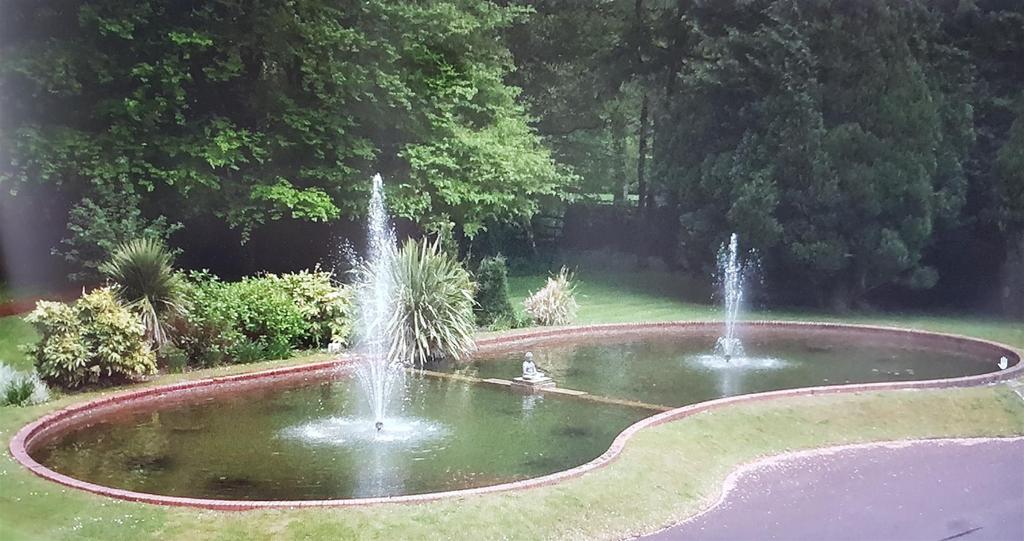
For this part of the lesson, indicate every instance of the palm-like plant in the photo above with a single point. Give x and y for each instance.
(145, 281)
(433, 305)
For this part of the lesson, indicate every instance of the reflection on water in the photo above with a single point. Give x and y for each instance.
(732, 371)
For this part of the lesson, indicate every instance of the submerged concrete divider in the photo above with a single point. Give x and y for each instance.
(582, 395)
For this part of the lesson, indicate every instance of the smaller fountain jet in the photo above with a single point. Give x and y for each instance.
(729, 359)
(730, 272)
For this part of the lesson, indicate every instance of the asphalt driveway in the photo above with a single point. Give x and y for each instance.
(931, 491)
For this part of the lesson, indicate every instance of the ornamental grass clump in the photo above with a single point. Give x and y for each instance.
(92, 339)
(555, 303)
(145, 281)
(20, 388)
(432, 314)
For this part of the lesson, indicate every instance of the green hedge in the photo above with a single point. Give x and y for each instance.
(261, 317)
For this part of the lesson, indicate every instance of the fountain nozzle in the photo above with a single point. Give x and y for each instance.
(379, 425)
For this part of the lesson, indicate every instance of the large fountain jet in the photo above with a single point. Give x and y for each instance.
(378, 375)
(730, 272)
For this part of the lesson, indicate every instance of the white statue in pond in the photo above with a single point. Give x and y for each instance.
(530, 371)
(531, 377)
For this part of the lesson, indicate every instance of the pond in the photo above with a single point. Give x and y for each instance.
(313, 440)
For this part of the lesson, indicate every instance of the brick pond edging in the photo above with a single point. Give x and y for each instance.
(57, 422)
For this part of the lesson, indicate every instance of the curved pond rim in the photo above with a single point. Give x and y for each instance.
(52, 423)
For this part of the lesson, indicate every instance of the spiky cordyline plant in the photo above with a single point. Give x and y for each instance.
(145, 281)
(432, 316)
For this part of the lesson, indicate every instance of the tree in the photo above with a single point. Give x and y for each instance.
(96, 228)
(991, 34)
(282, 109)
(574, 61)
(830, 135)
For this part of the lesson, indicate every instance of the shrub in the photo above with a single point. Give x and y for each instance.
(515, 320)
(146, 282)
(208, 335)
(98, 225)
(492, 302)
(21, 389)
(555, 303)
(326, 308)
(261, 317)
(266, 315)
(247, 321)
(433, 305)
(175, 359)
(94, 338)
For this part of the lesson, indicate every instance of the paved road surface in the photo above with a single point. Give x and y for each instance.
(925, 491)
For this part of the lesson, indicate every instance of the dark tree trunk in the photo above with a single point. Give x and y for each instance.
(620, 190)
(641, 161)
(531, 239)
(1011, 291)
(839, 301)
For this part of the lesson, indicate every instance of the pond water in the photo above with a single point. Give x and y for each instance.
(313, 441)
(677, 370)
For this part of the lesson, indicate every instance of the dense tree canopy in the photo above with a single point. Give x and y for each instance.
(255, 111)
(838, 148)
(843, 140)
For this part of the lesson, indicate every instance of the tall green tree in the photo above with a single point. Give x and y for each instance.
(991, 34)
(261, 110)
(830, 135)
(579, 66)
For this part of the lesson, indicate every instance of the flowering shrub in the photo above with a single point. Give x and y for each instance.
(326, 308)
(93, 338)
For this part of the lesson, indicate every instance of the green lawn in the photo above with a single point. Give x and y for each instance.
(665, 473)
(14, 333)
